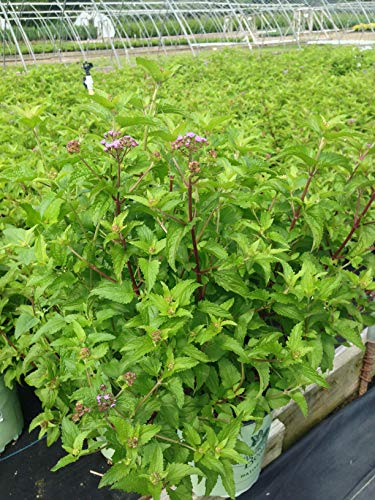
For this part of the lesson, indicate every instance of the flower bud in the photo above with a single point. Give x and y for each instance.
(73, 147)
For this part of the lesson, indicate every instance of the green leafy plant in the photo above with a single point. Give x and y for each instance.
(161, 287)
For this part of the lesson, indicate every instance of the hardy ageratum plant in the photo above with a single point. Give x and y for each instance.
(178, 287)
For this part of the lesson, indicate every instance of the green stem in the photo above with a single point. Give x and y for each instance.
(151, 112)
(312, 173)
(164, 438)
(142, 402)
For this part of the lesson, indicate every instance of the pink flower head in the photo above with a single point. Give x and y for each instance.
(114, 144)
(188, 143)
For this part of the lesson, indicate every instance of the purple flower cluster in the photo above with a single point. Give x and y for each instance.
(113, 143)
(105, 400)
(189, 142)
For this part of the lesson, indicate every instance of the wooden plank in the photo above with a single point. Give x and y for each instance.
(275, 442)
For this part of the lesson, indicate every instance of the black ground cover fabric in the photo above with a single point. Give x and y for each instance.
(335, 461)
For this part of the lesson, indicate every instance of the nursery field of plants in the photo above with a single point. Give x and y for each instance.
(182, 252)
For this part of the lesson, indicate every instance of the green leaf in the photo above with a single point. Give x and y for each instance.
(24, 323)
(150, 271)
(349, 330)
(174, 237)
(183, 291)
(231, 281)
(119, 259)
(316, 225)
(148, 432)
(114, 474)
(139, 347)
(117, 292)
(151, 67)
(211, 247)
(191, 435)
(229, 374)
(40, 250)
(53, 325)
(294, 341)
(300, 399)
(214, 309)
(289, 311)
(129, 121)
(70, 431)
(263, 370)
(176, 472)
(313, 376)
(183, 363)
(176, 388)
(195, 353)
(68, 459)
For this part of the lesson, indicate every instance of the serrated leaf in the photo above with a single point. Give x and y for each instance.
(114, 474)
(313, 376)
(300, 399)
(53, 325)
(69, 432)
(119, 260)
(176, 472)
(147, 433)
(289, 311)
(316, 226)
(68, 459)
(231, 281)
(229, 374)
(174, 238)
(176, 388)
(191, 435)
(117, 292)
(24, 323)
(294, 341)
(184, 363)
(183, 291)
(214, 309)
(150, 271)
(263, 370)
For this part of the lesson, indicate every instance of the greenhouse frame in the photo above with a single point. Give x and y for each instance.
(69, 30)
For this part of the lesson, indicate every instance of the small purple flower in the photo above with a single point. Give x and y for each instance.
(113, 143)
(188, 143)
(105, 401)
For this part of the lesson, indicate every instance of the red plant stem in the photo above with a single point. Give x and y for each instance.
(171, 179)
(197, 269)
(8, 341)
(134, 283)
(118, 203)
(303, 196)
(358, 164)
(312, 173)
(90, 168)
(91, 266)
(356, 224)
